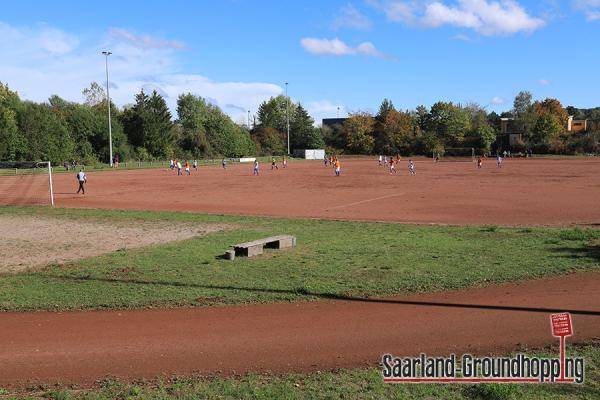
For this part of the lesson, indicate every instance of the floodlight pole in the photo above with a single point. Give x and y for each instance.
(338, 112)
(110, 152)
(287, 117)
(248, 119)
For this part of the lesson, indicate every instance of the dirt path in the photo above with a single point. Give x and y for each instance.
(541, 191)
(80, 347)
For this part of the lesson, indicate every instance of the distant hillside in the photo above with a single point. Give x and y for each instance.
(584, 113)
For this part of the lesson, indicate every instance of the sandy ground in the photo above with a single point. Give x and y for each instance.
(81, 347)
(28, 242)
(537, 191)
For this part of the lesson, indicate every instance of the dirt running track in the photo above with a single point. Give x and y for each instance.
(80, 347)
(534, 191)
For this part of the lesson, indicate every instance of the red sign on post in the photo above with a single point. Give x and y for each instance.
(561, 325)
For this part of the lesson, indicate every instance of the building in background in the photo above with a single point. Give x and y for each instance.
(333, 122)
(582, 125)
(511, 133)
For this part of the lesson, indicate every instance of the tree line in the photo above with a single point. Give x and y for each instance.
(542, 126)
(59, 130)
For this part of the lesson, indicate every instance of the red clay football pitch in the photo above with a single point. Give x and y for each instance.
(541, 191)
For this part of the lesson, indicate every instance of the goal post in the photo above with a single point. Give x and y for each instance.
(457, 154)
(26, 183)
(49, 166)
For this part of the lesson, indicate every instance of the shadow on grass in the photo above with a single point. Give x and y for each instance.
(332, 296)
(588, 251)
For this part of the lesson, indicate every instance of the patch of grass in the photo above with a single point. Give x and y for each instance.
(344, 384)
(57, 395)
(579, 234)
(489, 228)
(333, 258)
(492, 391)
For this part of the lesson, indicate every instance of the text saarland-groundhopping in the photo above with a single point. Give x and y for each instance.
(519, 368)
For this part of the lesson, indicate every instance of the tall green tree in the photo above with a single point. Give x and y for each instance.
(359, 131)
(46, 133)
(82, 123)
(523, 113)
(13, 145)
(334, 137)
(133, 120)
(272, 113)
(422, 117)
(158, 127)
(482, 134)
(449, 123)
(545, 130)
(494, 121)
(303, 134)
(94, 95)
(522, 103)
(385, 108)
(225, 137)
(148, 124)
(192, 114)
(269, 140)
(551, 107)
(95, 100)
(398, 133)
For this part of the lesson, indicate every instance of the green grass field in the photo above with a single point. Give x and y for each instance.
(342, 384)
(333, 258)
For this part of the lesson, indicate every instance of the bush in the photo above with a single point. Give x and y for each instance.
(586, 143)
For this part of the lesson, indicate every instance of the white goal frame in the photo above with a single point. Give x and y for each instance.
(49, 165)
(35, 168)
(466, 149)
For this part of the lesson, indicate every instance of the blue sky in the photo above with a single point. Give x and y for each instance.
(347, 54)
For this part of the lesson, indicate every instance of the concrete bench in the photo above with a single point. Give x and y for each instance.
(255, 247)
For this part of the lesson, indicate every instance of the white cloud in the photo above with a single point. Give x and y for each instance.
(591, 8)
(144, 41)
(336, 47)
(593, 15)
(437, 14)
(496, 100)
(350, 17)
(487, 17)
(368, 49)
(397, 11)
(325, 109)
(544, 82)
(323, 106)
(333, 47)
(40, 61)
(42, 40)
(462, 37)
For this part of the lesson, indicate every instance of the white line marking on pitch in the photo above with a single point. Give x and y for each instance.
(365, 201)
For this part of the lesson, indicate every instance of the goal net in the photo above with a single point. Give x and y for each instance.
(26, 183)
(466, 154)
